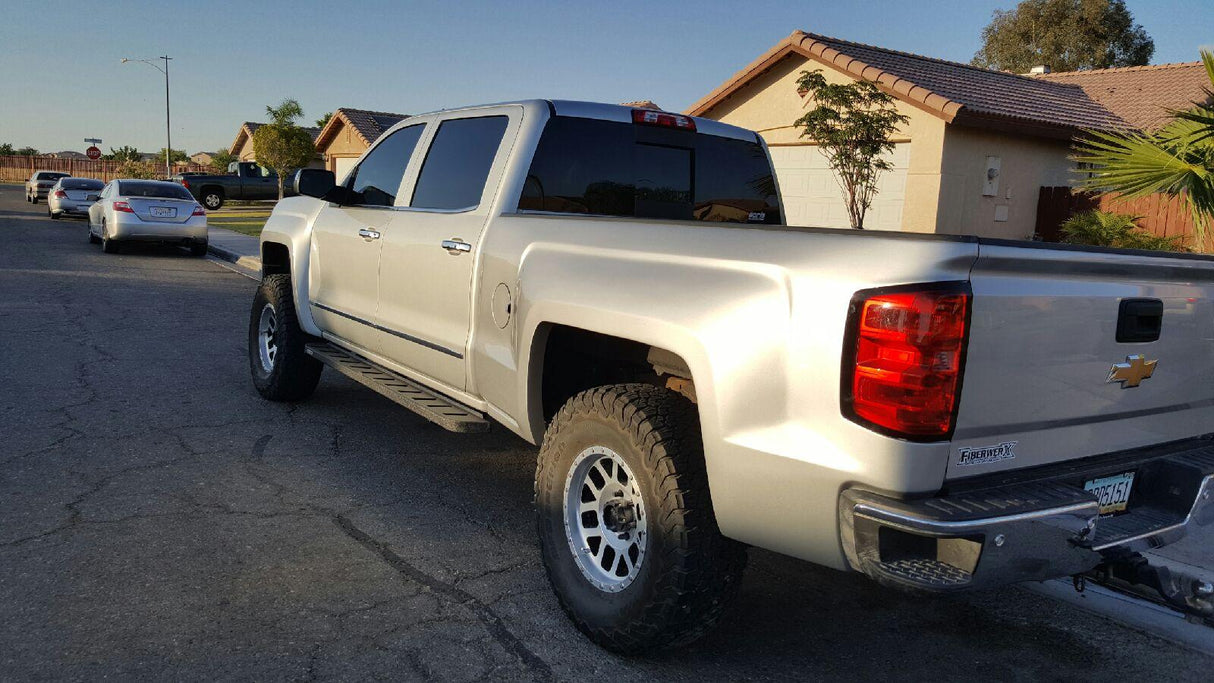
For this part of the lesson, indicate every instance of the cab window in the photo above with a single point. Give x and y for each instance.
(458, 162)
(376, 180)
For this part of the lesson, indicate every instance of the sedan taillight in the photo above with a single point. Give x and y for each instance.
(199, 211)
(903, 358)
(123, 207)
(61, 194)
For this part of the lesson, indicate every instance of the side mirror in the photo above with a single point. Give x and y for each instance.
(319, 183)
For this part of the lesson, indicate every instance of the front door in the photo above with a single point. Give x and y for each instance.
(430, 251)
(343, 286)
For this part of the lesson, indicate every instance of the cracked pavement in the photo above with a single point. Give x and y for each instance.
(159, 520)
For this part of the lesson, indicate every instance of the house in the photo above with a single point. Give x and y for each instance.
(978, 145)
(242, 146)
(349, 133)
(68, 155)
(642, 104)
(202, 158)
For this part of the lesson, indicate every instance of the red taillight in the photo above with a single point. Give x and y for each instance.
(902, 369)
(61, 194)
(185, 183)
(199, 211)
(650, 117)
(123, 207)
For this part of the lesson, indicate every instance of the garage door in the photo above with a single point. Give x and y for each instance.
(812, 196)
(342, 165)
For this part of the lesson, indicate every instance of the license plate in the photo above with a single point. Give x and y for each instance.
(1112, 492)
(163, 212)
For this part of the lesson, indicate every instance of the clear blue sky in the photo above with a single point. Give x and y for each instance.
(61, 80)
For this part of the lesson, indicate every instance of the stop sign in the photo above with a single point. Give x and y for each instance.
(93, 153)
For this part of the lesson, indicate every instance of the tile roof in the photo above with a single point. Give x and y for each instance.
(250, 127)
(1141, 95)
(367, 124)
(956, 92)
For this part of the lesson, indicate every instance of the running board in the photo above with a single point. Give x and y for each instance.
(431, 405)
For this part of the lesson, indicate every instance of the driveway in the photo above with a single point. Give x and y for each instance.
(159, 520)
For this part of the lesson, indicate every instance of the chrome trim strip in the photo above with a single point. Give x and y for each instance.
(882, 514)
(1204, 494)
(381, 328)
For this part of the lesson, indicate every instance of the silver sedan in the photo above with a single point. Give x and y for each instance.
(72, 196)
(147, 211)
(40, 184)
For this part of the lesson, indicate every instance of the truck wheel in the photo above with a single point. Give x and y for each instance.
(212, 199)
(282, 370)
(626, 526)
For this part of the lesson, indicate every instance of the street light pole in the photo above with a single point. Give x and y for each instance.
(168, 125)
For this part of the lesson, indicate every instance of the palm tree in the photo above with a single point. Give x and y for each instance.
(1177, 160)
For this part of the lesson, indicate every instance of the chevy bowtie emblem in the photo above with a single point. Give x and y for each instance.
(1132, 371)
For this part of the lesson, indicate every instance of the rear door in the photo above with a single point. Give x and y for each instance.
(430, 247)
(343, 285)
(1074, 353)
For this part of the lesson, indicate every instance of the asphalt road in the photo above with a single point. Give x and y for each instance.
(158, 519)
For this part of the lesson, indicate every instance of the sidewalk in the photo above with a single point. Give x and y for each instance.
(243, 252)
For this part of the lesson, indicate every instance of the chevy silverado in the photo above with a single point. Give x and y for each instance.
(938, 412)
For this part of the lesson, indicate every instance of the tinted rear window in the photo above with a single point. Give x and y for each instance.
(51, 176)
(81, 184)
(622, 169)
(143, 188)
(458, 162)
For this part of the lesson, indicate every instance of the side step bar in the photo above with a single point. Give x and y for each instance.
(431, 405)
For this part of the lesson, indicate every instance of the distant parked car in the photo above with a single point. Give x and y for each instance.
(40, 184)
(147, 211)
(72, 196)
(244, 180)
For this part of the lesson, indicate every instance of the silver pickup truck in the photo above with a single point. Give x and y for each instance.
(938, 412)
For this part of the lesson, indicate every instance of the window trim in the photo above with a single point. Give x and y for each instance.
(424, 122)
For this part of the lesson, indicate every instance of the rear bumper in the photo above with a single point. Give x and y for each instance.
(132, 228)
(1036, 530)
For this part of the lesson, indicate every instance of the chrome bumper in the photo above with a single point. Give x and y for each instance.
(1036, 530)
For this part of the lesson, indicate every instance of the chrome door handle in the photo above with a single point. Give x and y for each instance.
(456, 246)
(368, 234)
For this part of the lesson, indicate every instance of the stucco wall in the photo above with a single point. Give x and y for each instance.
(770, 104)
(345, 143)
(1025, 165)
(246, 150)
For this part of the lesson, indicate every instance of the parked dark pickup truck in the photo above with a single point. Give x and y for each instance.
(244, 180)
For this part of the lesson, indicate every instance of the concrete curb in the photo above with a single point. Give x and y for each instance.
(242, 260)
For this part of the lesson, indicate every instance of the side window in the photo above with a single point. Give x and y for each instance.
(457, 165)
(376, 180)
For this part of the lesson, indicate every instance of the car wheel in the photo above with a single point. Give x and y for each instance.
(54, 216)
(34, 199)
(281, 369)
(109, 246)
(93, 239)
(626, 527)
(212, 199)
(198, 249)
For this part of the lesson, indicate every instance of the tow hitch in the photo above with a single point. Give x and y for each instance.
(1134, 574)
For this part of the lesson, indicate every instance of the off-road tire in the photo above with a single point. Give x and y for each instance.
(294, 374)
(690, 571)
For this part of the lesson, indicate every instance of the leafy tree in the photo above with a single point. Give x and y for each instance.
(281, 145)
(320, 123)
(1105, 229)
(124, 153)
(178, 155)
(1065, 35)
(27, 152)
(6, 149)
(221, 159)
(133, 168)
(851, 124)
(1176, 160)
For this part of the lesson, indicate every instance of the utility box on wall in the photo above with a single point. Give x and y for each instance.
(990, 184)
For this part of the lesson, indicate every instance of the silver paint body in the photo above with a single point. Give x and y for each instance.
(76, 202)
(141, 225)
(758, 315)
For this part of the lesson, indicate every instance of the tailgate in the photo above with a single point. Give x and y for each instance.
(1044, 367)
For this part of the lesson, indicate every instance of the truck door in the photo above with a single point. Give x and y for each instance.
(346, 241)
(429, 254)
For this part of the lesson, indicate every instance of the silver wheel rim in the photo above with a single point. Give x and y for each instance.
(605, 520)
(212, 201)
(267, 343)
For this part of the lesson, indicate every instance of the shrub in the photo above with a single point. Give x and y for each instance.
(1106, 229)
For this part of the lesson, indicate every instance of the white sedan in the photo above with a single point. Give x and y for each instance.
(147, 211)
